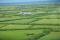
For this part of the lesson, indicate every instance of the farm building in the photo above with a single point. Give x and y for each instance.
(25, 13)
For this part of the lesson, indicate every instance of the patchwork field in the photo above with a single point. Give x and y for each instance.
(42, 24)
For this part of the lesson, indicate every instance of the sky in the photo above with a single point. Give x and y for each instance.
(12, 1)
(15, 1)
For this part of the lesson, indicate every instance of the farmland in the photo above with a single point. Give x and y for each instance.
(43, 24)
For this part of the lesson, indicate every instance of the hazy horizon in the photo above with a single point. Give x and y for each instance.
(22, 1)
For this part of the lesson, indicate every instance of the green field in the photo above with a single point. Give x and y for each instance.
(43, 24)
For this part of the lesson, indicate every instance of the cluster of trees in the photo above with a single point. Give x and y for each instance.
(39, 35)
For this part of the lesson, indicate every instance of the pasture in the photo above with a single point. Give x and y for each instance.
(43, 24)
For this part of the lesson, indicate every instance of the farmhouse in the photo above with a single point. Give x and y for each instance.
(25, 13)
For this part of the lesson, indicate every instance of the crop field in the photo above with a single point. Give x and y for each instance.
(42, 24)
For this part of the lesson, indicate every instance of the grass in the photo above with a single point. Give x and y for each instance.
(17, 35)
(51, 36)
(44, 24)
